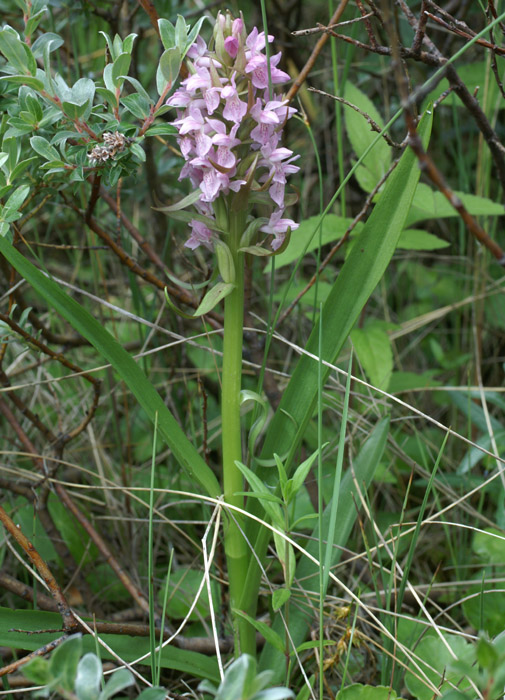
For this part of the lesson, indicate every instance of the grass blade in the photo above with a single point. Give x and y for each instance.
(145, 393)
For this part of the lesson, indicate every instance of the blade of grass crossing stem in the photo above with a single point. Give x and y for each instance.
(83, 322)
(336, 482)
(162, 626)
(320, 504)
(324, 571)
(415, 536)
(300, 618)
(150, 562)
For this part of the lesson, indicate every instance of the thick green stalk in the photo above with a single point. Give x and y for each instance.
(237, 555)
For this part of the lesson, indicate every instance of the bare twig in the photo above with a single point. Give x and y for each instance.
(302, 76)
(69, 622)
(373, 124)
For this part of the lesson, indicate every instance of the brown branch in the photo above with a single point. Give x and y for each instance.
(134, 232)
(150, 10)
(59, 357)
(103, 547)
(428, 166)
(44, 602)
(302, 76)
(69, 621)
(490, 136)
(15, 665)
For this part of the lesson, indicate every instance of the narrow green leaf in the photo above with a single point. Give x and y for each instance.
(82, 321)
(272, 637)
(183, 203)
(213, 297)
(128, 648)
(258, 487)
(279, 597)
(364, 468)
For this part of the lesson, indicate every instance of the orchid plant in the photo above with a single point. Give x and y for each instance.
(230, 124)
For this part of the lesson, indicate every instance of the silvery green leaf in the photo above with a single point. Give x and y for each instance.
(87, 680)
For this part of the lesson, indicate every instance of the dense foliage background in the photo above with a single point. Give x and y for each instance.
(419, 535)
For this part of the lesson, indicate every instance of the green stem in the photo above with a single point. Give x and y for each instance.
(237, 554)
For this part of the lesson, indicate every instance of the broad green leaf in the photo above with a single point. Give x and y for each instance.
(161, 130)
(374, 351)
(432, 650)
(333, 227)
(128, 648)
(137, 105)
(183, 585)
(156, 693)
(170, 64)
(50, 40)
(34, 83)
(357, 691)
(17, 53)
(429, 204)
(120, 68)
(417, 239)
(42, 146)
(147, 396)
(37, 671)
(279, 597)
(377, 162)
(64, 661)
(167, 33)
(15, 201)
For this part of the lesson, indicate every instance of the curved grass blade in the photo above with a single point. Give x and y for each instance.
(145, 393)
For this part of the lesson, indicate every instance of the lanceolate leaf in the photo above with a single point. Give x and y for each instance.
(358, 277)
(147, 396)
